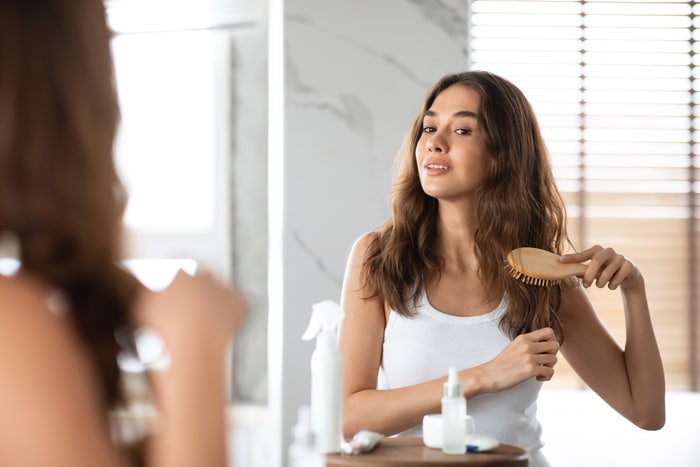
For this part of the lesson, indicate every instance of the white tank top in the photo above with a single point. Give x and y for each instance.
(424, 346)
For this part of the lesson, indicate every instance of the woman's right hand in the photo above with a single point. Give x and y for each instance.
(533, 354)
(193, 313)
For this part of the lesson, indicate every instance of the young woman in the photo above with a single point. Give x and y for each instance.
(428, 290)
(61, 205)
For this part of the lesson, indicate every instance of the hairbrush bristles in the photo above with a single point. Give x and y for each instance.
(522, 277)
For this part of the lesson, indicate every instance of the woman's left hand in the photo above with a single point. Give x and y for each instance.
(606, 267)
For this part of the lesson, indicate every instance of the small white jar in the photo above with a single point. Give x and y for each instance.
(432, 429)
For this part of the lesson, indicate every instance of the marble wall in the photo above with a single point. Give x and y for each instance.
(354, 74)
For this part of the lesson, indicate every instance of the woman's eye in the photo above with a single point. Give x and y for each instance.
(428, 129)
(463, 131)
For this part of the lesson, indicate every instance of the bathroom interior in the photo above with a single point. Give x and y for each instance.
(258, 139)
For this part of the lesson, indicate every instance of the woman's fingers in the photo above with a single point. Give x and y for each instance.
(529, 355)
(540, 335)
(606, 267)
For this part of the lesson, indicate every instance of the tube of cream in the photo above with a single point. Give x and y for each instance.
(363, 441)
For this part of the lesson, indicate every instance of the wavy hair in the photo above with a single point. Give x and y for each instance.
(517, 205)
(60, 195)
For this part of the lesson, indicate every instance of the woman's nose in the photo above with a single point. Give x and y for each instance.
(435, 143)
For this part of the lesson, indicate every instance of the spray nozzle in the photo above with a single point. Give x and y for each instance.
(452, 387)
(325, 316)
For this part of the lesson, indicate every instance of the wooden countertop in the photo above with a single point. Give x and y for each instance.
(411, 452)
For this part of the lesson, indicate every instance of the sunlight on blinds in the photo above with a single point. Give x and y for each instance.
(614, 87)
(609, 83)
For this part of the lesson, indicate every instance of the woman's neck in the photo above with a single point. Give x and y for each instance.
(456, 227)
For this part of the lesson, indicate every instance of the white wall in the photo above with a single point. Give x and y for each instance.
(580, 430)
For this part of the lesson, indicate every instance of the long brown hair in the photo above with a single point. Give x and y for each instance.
(60, 195)
(517, 205)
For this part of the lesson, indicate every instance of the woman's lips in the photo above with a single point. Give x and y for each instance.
(435, 167)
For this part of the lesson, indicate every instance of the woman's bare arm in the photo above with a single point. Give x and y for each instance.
(631, 380)
(360, 340)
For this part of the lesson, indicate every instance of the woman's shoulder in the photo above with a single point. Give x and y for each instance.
(361, 248)
(364, 241)
(49, 396)
(36, 332)
(33, 321)
(368, 237)
(25, 300)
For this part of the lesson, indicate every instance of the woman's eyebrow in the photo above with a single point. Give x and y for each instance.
(461, 113)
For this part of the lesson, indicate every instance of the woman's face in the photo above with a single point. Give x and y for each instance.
(450, 153)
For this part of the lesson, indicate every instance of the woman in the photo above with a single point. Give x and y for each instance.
(61, 205)
(428, 291)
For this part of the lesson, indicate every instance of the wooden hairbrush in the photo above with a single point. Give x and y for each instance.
(540, 267)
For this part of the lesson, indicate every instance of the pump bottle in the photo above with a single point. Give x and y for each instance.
(326, 378)
(301, 451)
(454, 411)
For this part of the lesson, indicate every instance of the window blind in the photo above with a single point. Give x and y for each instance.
(616, 88)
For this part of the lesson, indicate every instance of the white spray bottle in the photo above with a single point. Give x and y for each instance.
(326, 377)
(454, 411)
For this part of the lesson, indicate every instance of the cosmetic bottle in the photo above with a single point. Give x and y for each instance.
(301, 451)
(454, 410)
(326, 378)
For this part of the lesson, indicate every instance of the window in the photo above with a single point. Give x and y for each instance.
(615, 87)
(172, 64)
(172, 150)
